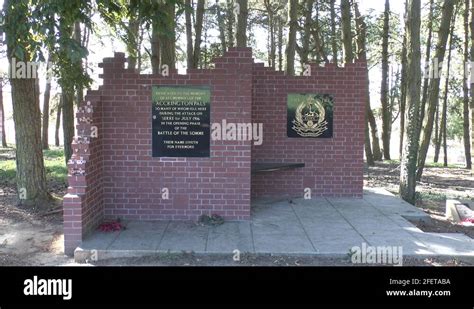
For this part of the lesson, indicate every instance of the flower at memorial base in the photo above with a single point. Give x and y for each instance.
(110, 226)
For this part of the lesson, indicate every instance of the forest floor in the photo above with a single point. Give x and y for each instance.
(31, 237)
(438, 185)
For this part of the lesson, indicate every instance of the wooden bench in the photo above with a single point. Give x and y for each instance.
(273, 167)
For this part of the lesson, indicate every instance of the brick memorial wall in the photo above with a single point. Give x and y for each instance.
(114, 172)
(333, 166)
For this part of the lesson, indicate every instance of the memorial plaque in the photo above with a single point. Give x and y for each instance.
(310, 115)
(181, 121)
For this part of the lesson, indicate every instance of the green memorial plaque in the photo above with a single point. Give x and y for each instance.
(181, 121)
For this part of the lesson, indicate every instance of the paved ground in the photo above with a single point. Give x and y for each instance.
(318, 227)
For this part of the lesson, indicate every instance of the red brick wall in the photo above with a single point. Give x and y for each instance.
(133, 180)
(334, 167)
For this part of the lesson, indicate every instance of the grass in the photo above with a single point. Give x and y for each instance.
(429, 196)
(7, 171)
(441, 165)
(55, 167)
(427, 164)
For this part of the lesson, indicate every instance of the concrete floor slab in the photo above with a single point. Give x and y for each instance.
(289, 226)
(184, 236)
(448, 244)
(99, 240)
(389, 204)
(410, 245)
(282, 243)
(229, 237)
(329, 242)
(132, 237)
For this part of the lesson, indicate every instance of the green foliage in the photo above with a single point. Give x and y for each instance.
(455, 120)
(54, 164)
(35, 26)
(374, 37)
(117, 13)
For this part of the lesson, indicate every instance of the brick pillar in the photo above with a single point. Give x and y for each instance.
(83, 204)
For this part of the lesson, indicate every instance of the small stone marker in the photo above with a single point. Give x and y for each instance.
(458, 212)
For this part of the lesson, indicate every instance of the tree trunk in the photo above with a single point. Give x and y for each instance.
(306, 35)
(433, 97)
(2, 117)
(189, 34)
(368, 149)
(410, 144)
(319, 47)
(230, 23)
(394, 92)
(280, 44)
(68, 122)
(333, 31)
(346, 31)
(426, 78)
(167, 37)
(221, 24)
(198, 33)
(445, 137)
(58, 121)
(291, 45)
(386, 110)
(403, 95)
(46, 97)
(77, 37)
(438, 138)
(133, 44)
(466, 133)
(204, 63)
(271, 26)
(68, 99)
(155, 49)
(362, 54)
(444, 113)
(30, 173)
(242, 23)
(375, 135)
(472, 80)
(442, 131)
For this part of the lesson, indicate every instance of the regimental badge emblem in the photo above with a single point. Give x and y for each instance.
(310, 115)
(310, 118)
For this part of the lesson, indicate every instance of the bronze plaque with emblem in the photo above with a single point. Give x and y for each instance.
(310, 115)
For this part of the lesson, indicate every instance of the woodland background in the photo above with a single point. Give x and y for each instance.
(421, 103)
